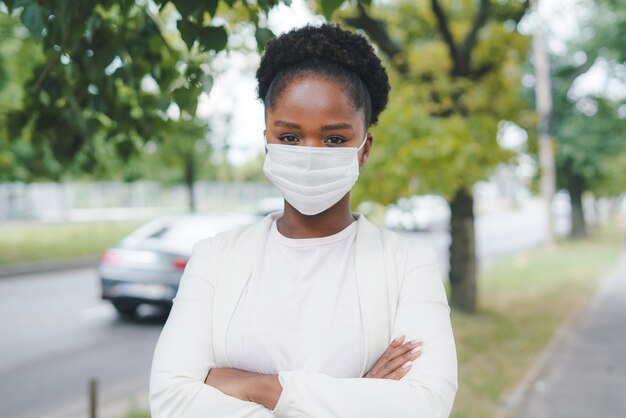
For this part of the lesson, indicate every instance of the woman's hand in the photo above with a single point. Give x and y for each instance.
(396, 360)
(263, 389)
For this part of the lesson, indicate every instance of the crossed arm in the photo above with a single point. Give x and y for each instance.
(265, 389)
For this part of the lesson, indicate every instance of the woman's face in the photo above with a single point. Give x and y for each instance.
(314, 111)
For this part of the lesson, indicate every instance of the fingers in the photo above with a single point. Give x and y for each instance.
(402, 364)
(394, 356)
(397, 341)
(399, 372)
(374, 371)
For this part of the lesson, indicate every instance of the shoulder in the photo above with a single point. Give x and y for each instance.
(230, 249)
(227, 239)
(406, 252)
(243, 235)
(416, 253)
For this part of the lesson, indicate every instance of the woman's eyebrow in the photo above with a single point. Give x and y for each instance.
(336, 126)
(287, 124)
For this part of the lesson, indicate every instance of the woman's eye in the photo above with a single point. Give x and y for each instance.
(335, 140)
(288, 138)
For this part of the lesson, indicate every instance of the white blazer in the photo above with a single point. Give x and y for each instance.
(400, 292)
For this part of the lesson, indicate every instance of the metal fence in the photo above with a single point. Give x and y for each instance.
(114, 200)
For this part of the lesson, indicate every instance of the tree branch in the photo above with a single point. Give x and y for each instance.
(573, 72)
(43, 75)
(377, 31)
(444, 28)
(504, 12)
(481, 71)
(470, 40)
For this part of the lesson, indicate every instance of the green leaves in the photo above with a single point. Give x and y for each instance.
(32, 18)
(85, 103)
(188, 8)
(194, 9)
(188, 31)
(263, 36)
(110, 74)
(213, 38)
(329, 6)
(211, 6)
(588, 127)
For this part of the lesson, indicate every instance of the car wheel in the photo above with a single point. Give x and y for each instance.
(125, 309)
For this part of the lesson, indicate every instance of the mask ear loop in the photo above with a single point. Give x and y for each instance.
(265, 139)
(362, 143)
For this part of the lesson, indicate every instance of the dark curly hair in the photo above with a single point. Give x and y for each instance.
(329, 51)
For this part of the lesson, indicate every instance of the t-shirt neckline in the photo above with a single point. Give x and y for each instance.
(347, 232)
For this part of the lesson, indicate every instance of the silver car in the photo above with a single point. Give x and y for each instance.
(146, 266)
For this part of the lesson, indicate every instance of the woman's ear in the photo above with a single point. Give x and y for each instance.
(366, 150)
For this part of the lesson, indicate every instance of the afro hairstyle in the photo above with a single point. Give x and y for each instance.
(328, 51)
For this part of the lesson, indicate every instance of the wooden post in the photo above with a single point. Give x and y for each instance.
(93, 398)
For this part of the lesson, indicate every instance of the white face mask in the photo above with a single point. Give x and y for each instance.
(312, 179)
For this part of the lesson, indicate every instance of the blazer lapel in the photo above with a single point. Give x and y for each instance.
(234, 269)
(373, 292)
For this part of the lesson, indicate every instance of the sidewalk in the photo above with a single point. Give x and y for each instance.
(585, 376)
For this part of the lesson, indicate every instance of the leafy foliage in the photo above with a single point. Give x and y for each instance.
(439, 132)
(590, 128)
(19, 160)
(182, 157)
(111, 72)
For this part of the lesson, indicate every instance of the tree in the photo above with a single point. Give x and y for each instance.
(590, 127)
(112, 69)
(19, 160)
(457, 70)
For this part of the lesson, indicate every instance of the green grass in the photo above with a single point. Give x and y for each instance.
(37, 242)
(523, 300)
(137, 413)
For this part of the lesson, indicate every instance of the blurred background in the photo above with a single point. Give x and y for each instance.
(130, 129)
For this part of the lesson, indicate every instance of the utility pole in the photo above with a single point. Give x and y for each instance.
(543, 99)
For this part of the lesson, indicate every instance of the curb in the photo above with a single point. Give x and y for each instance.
(21, 269)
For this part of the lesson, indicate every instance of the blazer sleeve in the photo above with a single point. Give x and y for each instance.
(427, 391)
(184, 352)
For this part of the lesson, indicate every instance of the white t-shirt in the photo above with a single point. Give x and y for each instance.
(300, 308)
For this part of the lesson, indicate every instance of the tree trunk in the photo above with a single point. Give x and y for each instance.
(575, 187)
(463, 252)
(190, 179)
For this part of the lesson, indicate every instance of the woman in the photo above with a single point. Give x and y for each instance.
(296, 316)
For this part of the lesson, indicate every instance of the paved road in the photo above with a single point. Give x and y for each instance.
(586, 375)
(56, 334)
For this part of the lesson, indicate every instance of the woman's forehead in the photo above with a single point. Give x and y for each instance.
(314, 97)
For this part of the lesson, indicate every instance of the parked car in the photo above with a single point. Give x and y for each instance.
(146, 266)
